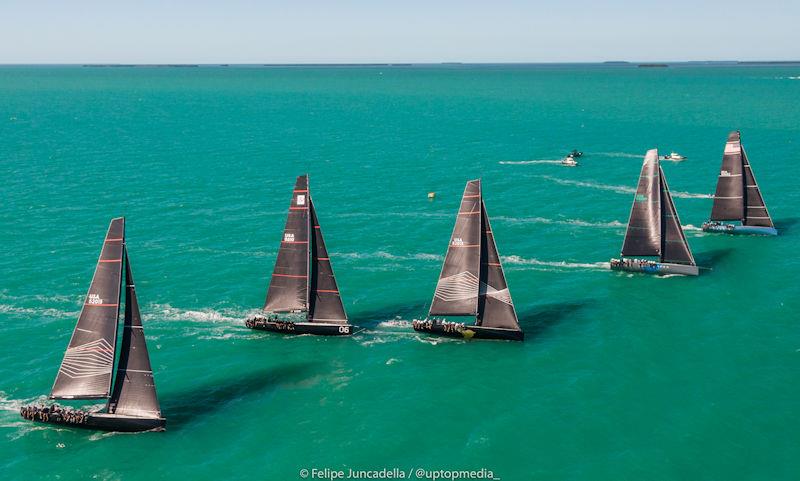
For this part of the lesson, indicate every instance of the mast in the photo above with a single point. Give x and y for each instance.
(729, 203)
(288, 288)
(86, 370)
(134, 388)
(674, 248)
(643, 236)
(756, 213)
(325, 303)
(457, 290)
(495, 307)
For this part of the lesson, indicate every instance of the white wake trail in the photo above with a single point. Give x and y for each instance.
(620, 189)
(570, 222)
(529, 162)
(517, 260)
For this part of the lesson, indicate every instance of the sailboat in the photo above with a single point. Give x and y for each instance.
(654, 229)
(738, 197)
(86, 371)
(303, 282)
(472, 282)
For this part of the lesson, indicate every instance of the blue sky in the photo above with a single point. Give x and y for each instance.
(240, 31)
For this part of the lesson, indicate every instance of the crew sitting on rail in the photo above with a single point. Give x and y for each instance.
(54, 414)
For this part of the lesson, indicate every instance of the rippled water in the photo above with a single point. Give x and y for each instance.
(621, 377)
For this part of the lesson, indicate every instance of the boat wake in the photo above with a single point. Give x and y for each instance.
(614, 224)
(7, 404)
(165, 312)
(37, 312)
(693, 230)
(389, 256)
(393, 323)
(550, 265)
(528, 162)
(620, 189)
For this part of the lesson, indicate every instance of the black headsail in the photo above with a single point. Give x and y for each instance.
(288, 288)
(643, 237)
(134, 388)
(495, 307)
(675, 249)
(457, 290)
(729, 200)
(325, 304)
(755, 209)
(86, 370)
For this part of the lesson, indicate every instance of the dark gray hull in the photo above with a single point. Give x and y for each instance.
(466, 331)
(113, 423)
(657, 268)
(738, 229)
(297, 328)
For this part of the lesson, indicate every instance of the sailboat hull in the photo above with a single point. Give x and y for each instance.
(128, 424)
(285, 327)
(738, 229)
(650, 267)
(467, 331)
(113, 423)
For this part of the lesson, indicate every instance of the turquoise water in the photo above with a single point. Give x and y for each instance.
(620, 378)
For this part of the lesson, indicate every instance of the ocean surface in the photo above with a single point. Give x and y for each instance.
(621, 377)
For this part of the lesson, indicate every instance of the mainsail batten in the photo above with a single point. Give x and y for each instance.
(457, 290)
(87, 368)
(495, 307)
(643, 235)
(325, 303)
(289, 287)
(134, 387)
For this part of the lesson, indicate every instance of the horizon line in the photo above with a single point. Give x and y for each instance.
(390, 64)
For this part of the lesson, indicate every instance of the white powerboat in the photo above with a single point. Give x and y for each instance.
(674, 156)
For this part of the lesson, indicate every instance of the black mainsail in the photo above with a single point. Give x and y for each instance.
(457, 290)
(303, 279)
(134, 387)
(654, 228)
(738, 196)
(288, 288)
(729, 198)
(643, 237)
(86, 370)
(472, 282)
(325, 303)
(494, 299)
(88, 366)
(755, 209)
